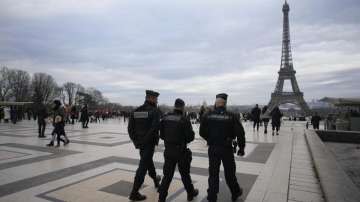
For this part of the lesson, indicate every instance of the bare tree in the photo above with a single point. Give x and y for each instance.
(44, 88)
(96, 96)
(70, 90)
(62, 94)
(19, 82)
(4, 84)
(79, 90)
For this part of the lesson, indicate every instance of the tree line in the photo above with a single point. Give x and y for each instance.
(19, 86)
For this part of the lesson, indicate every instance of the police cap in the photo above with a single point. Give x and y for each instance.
(152, 93)
(222, 95)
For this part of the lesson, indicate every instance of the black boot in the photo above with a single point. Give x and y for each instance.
(211, 199)
(235, 196)
(161, 199)
(191, 196)
(157, 181)
(50, 144)
(137, 197)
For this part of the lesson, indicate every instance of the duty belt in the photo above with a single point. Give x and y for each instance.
(178, 146)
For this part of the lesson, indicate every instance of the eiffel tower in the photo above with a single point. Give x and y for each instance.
(287, 72)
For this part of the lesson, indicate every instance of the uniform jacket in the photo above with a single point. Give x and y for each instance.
(219, 127)
(143, 127)
(176, 129)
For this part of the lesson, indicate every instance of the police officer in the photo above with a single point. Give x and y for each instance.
(219, 128)
(143, 130)
(177, 132)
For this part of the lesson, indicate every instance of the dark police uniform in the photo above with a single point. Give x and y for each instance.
(143, 130)
(177, 132)
(219, 128)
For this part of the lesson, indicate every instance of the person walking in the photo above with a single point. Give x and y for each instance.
(84, 117)
(177, 132)
(255, 114)
(58, 119)
(73, 114)
(42, 115)
(7, 115)
(143, 129)
(265, 118)
(276, 116)
(219, 128)
(315, 121)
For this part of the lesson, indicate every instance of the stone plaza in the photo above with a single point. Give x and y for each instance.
(100, 162)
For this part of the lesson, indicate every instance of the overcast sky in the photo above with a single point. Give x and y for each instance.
(184, 48)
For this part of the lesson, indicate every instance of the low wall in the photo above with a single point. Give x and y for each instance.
(339, 136)
(335, 183)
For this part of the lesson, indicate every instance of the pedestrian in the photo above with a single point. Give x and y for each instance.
(1, 113)
(315, 121)
(255, 114)
(177, 132)
(42, 114)
(73, 114)
(265, 118)
(58, 118)
(7, 115)
(143, 129)
(13, 114)
(84, 117)
(276, 120)
(219, 128)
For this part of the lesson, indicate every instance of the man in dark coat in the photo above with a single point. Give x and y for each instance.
(143, 129)
(276, 120)
(42, 114)
(177, 132)
(315, 121)
(255, 114)
(219, 128)
(84, 118)
(265, 118)
(73, 114)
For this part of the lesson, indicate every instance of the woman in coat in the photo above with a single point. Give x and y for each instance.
(276, 120)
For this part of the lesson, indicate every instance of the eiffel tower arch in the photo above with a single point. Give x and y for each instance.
(287, 72)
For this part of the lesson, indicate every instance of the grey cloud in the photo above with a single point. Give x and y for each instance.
(185, 48)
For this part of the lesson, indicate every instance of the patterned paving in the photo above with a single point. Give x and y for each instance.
(99, 165)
